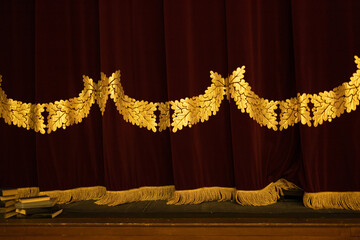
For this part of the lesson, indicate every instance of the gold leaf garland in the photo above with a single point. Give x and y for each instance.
(103, 92)
(140, 113)
(187, 112)
(259, 109)
(295, 110)
(164, 117)
(25, 115)
(64, 113)
(190, 111)
(332, 104)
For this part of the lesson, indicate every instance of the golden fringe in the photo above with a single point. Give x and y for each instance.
(266, 196)
(335, 200)
(196, 196)
(113, 198)
(77, 194)
(28, 192)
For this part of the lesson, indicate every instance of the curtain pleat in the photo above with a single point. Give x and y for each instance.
(195, 39)
(18, 149)
(185, 101)
(259, 35)
(132, 41)
(325, 42)
(66, 48)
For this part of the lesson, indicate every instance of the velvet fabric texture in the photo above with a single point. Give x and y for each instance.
(165, 51)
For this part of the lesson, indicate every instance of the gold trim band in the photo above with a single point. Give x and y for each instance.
(76, 194)
(113, 198)
(332, 200)
(187, 112)
(266, 196)
(199, 195)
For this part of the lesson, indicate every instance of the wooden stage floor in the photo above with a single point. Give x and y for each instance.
(156, 220)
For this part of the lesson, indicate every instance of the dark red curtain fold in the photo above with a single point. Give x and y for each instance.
(165, 51)
(195, 40)
(259, 36)
(132, 40)
(326, 39)
(18, 149)
(66, 48)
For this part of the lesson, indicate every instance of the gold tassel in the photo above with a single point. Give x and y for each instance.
(196, 196)
(335, 200)
(266, 196)
(77, 194)
(28, 192)
(113, 198)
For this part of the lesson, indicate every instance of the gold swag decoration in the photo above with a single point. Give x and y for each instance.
(26, 115)
(187, 112)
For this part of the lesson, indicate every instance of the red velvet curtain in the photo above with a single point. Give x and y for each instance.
(325, 40)
(165, 51)
(259, 36)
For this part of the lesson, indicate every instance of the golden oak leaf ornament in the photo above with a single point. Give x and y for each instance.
(187, 111)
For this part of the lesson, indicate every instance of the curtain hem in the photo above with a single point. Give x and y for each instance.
(266, 196)
(206, 194)
(28, 192)
(332, 200)
(113, 198)
(77, 194)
